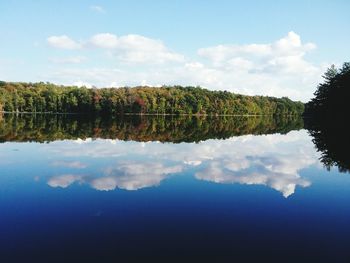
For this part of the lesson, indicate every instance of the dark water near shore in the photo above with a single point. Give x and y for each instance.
(146, 189)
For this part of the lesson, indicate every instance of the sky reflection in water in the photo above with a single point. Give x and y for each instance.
(274, 161)
(215, 199)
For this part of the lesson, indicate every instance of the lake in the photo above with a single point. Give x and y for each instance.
(182, 189)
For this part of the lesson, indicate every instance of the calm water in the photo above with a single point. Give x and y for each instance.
(165, 189)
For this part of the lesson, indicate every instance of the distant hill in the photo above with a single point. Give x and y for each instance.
(46, 97)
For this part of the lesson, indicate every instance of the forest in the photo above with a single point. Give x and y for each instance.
(176, 100)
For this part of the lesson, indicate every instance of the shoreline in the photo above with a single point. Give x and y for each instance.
(147, 114)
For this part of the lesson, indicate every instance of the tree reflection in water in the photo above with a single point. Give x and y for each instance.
(176, 129)
(332, 140)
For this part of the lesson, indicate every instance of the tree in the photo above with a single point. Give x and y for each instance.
(332, 96)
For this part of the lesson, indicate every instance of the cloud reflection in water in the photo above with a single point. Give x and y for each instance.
(134, 175)
(270, 160)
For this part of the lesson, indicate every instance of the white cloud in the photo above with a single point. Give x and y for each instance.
(129, 48)
(81, 83)
(63, 42)
(104, 40)
(277, 69)
(97, 8)
(290, 45)
(136, 48)
(68, 60)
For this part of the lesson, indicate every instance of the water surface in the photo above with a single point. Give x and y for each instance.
(168, 189)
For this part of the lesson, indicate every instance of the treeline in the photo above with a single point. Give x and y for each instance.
(46, 97)
(331, 99)
(176, 129)
(327, 118)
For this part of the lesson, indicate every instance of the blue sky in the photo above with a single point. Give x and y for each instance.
(250, 47)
